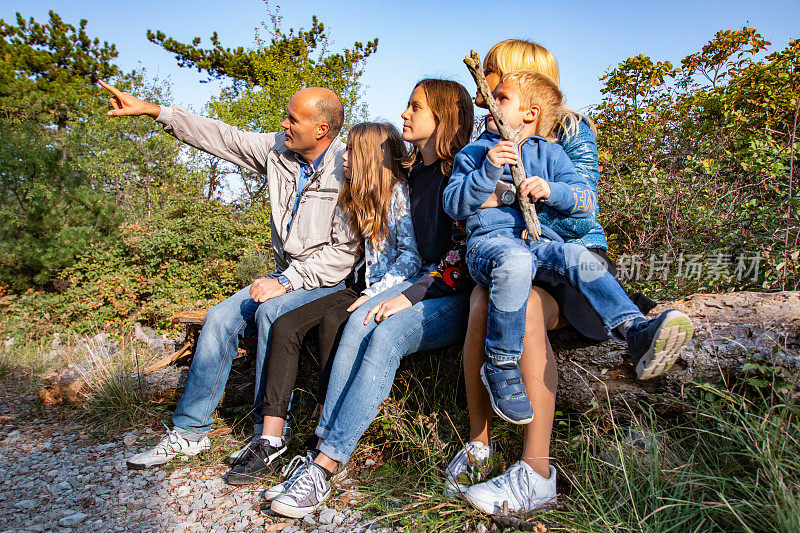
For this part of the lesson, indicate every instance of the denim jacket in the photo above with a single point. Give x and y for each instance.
(398, 259)
(572, 202)
(581, 148)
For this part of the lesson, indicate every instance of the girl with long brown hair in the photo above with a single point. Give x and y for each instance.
(376, 199)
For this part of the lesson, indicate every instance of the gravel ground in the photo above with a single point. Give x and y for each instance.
(54, 478)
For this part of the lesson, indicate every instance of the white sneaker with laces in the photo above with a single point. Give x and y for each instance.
(305, 495)
(472, 456)
(170, 446)
(520, 486)
(234, 457)
(290, 472)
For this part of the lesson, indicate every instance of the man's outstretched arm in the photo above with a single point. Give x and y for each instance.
(126, 105)
(244, 148)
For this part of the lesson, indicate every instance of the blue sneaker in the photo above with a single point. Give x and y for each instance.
(507, 391)
(655, 344)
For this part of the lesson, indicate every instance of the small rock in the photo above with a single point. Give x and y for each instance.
(480, 528)
(179, 472)
(369, 462)
(326, 516)
(27, 504)
(72, 520)
(309, 519)
(128, 440)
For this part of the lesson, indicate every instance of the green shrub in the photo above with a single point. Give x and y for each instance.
(695, 166)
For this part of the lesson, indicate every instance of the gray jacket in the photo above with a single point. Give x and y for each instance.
(320, 249)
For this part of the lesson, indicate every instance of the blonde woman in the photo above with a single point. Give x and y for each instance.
(530, 482)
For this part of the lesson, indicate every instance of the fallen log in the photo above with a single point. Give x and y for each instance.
(729, 330)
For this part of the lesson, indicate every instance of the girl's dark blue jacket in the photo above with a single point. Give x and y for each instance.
(567, 214)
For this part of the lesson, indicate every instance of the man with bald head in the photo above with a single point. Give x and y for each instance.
(312, 242)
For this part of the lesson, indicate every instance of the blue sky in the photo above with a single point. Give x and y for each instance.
(426, 38)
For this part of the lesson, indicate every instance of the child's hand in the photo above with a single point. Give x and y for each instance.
(387, 308)
(503, 152)
(355, 305)
(534, 188)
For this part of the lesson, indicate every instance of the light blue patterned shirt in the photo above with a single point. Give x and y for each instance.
(399, 258)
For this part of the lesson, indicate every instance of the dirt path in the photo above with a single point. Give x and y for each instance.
(54, 478)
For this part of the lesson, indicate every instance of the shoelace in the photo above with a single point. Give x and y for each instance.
(296, 466)
(301, 485)
(169, 443)
(521, 489)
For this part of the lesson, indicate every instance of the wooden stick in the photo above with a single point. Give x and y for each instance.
(161, 363)
(473, 62)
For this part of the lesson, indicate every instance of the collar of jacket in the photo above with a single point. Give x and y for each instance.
(333, 150)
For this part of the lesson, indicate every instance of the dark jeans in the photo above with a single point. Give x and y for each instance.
(330, 314)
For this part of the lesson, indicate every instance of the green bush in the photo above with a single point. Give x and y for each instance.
(695, 166)
(185, 257)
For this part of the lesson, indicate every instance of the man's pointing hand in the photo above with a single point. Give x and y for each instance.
(126, 105)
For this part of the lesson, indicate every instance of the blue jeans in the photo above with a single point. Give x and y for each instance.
(368, 357)
(237, 317)
(508, 265)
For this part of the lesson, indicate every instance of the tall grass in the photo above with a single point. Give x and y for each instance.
(731, 464)
(117, 397)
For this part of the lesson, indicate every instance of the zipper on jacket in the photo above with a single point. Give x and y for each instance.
(314, 177)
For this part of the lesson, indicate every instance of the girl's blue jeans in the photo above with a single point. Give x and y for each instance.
(237, 317)
(507, 266)
(368, 357)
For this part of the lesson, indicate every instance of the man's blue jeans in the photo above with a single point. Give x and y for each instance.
(237, 317)
(368, 357)
(508, 265)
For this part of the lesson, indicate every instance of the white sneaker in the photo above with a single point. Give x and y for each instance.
(520, 486)
(172, 445)
(305, 495)
(468, 459)
(233, 458)
(290, 472)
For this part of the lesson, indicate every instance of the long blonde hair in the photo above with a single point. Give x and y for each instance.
(519, 54)
(377, 157)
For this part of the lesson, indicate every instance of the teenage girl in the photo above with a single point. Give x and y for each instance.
(416, 315)
(375, 196)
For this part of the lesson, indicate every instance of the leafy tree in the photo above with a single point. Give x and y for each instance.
(696, 158)
(65, 166)
(47, 213)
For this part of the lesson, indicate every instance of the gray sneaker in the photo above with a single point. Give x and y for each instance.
(520, 486)
(305, 495)
(290, 472)
(471, 457)
(172, 445)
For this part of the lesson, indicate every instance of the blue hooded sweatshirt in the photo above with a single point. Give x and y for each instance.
(570, 207)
